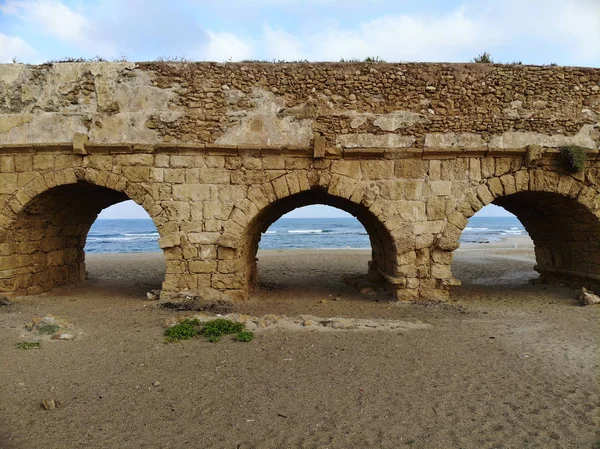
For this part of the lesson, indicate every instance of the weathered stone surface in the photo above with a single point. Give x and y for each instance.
(216, 152)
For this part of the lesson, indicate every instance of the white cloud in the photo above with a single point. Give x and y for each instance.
(15, 48)
(279, 44)
(226, 47)
(562, 31)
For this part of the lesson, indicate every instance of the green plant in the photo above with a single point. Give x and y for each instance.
(29, 345)
(484, 58)
(181, 331)
(215, 329)
(575, 157)
(48, 329)
(192, 321)
(244, 336)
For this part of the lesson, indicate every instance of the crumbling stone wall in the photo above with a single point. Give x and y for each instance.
(217, 152)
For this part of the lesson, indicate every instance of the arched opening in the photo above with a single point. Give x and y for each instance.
(46, 240)
(314, 248)
(565, 235)
(495, 250)
(381, 262)
(122, 247)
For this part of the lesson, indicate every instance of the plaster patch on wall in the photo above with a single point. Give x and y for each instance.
(368, 140)
(11, 73)
(587, 137)
(42, 127)
(269, 123)
(135, 93)
(386, 122)
(454, 140)
(125, 127)
(8, 122)
(398, 119)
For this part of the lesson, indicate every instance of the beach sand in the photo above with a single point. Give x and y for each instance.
(505, 364)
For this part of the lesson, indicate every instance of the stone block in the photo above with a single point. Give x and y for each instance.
(374, 170)
(483, 193)
(202, 266)
(136, 174)
(410, 168)
(436, 208)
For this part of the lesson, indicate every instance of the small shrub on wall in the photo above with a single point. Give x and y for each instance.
(574, 157)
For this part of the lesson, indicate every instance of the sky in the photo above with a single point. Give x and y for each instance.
(564, 32)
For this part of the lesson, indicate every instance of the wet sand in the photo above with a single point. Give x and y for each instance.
(505, 364)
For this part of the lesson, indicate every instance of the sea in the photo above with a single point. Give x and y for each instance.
(140, 235)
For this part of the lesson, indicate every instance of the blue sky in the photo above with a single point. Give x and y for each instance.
(565, 32)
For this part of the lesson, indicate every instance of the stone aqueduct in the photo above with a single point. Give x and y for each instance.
(215, 153)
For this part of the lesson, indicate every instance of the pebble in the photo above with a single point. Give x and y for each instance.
(49, 404)
(4, 301)
(156, 383)
(63, 337)
(153, 295)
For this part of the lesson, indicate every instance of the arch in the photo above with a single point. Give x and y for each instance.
(42, 243)
(560, 213)
(267, 202)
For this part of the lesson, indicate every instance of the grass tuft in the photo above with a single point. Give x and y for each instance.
(25, 345)
(48, 329)
(245, 336)
(181, 331)
(215, 329)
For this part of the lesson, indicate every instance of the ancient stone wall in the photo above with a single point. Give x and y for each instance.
(217, 152)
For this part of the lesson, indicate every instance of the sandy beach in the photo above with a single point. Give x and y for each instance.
(504, 364)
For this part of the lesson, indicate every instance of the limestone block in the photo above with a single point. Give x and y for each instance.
(392, 190)
(191, 192)
(7, 164)
(483, 193)
(280, 187)
(435, 170)
(223, 281)
(441, 187)
(474, 169)
(424, 241)
(126, 159)
(503, 166)
(23, 163)
(368, 140)
(442, 257)
(161, 160)
(344, 187)
(216, 210)
(202, 266)
(436, 208)
(522, 180)
(204, 238)
(411, 211)
(169, 241)
(271, 163)
(136, 174)
(215, 176)
(495, 186)
(347, 168)
(413, 190)
(374, 170)
(441, 271)
(8, 183)
(410, 168)
(293, 183)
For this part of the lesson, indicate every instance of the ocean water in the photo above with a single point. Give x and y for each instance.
(130, 236)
